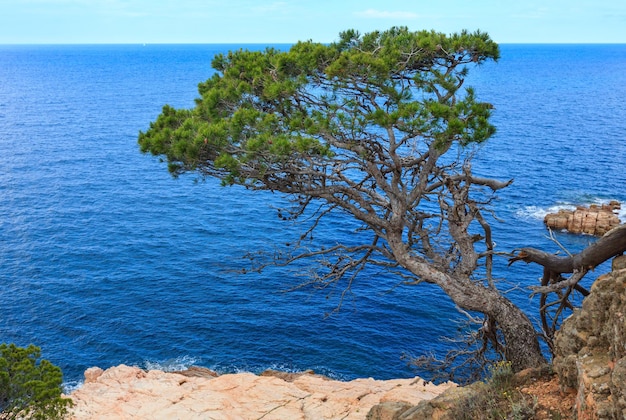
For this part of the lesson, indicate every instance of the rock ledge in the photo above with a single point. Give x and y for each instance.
(125, 392)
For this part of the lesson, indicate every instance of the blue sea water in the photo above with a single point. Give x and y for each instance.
(105, 259)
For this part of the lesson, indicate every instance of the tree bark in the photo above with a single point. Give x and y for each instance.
(613, 243)
(521, 340)
(522, 344)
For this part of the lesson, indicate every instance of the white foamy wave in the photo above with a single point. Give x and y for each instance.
(243, 367)
(71, 386)
(171, 365)
(321, 370)
(537, 212)
(280, 367)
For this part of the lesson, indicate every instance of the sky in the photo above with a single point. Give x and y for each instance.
(268, 21)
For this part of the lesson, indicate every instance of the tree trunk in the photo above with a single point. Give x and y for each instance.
(521, 341)
(522, 345)
(520, 338)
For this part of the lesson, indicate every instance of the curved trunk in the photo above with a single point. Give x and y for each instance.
(522, 345)
(521, 341)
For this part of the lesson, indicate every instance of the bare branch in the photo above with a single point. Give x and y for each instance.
(613, 243)
(555, 287)
(556, 241)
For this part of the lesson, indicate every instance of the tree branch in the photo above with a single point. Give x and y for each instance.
(613, 243)
(555, 287)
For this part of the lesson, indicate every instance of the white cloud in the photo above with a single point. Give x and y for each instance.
(385, 14)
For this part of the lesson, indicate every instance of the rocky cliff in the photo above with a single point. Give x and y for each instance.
(125, 392)
(591, 348)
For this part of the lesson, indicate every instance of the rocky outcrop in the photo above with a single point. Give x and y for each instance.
(593, 220)
(442, 407)
(125, 392)
(590, 348)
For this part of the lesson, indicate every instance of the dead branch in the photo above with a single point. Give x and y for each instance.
(555, 287)
(613, 243)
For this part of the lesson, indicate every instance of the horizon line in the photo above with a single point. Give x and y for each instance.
(277, 43)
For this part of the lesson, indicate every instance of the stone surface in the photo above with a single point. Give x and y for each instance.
(439, 408)
(590, 349)
(125, 392)
(593, 220)
(389, 410)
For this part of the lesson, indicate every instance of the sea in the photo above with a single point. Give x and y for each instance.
(105, 259)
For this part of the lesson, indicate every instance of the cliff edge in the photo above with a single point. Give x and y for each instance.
(590, 348)
(125, 392)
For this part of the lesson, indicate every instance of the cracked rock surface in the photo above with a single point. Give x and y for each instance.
(125, 392)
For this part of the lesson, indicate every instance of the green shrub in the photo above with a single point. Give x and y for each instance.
(30, 388)
(501, 375)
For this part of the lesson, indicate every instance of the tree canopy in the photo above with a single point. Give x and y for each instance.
(30, 387)
(379, 126)
(268, 113)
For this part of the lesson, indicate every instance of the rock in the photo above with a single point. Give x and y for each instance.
(92, 374)
(590, 350)
(439, 408)
(197, 371)
(389, 410)
(125, 392)
(593, 220)
(618, 384)
(618, 263)
(288, 376)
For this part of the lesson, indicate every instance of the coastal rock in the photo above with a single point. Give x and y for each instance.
(125, 392)
(593, 220)
(196, 371)
(438, 408)
(590, 349)
(92, 374)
